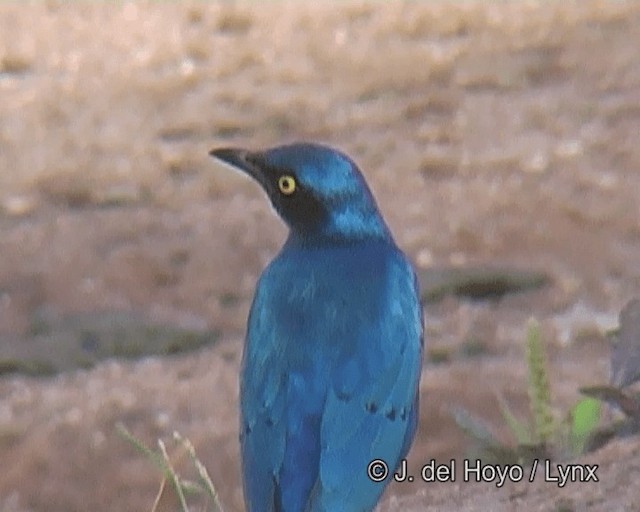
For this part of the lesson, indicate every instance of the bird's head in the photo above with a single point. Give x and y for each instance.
(318, 191)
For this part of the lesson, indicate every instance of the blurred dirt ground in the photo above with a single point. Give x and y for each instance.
(490, 132)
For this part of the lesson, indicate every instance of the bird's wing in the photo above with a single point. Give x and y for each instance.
(371, 407)
(262, 406)
(281, 399)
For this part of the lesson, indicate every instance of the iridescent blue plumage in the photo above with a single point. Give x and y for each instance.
(333, 353)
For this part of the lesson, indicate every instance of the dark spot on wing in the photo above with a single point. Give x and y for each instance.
(343, 396)
(391, 414)
(371, 407)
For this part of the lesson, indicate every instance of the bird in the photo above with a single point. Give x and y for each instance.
(332, 358)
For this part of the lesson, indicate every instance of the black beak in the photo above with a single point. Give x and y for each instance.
(242, 159)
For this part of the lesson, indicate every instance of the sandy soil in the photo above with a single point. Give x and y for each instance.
(502, 133)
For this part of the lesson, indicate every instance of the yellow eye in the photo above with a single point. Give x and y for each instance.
(287, 184)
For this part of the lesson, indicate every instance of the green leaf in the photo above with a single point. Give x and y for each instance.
(585, 417)
(519, 429)
(473, 426)
(152, 456)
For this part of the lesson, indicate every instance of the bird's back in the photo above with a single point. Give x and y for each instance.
(330, 374)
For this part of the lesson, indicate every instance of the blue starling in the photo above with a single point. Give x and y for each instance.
(333, 352)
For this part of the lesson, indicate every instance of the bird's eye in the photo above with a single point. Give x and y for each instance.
(287, 184)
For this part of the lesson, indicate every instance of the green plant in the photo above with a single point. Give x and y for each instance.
(538, 389)
(181, 486)
(543, 434)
